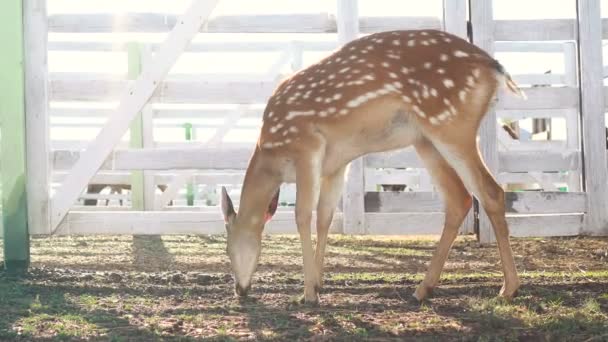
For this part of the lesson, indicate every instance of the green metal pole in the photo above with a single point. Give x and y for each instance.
(136, 133)
(190, 186)
(12, 135)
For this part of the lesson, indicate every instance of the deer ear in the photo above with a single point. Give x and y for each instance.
(227, 207)
(272, 207)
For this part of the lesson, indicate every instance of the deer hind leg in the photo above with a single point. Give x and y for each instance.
(458, 202)
(467, 162)
(308, 182)
(331, 189)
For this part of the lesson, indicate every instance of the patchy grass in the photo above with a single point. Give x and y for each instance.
(122, 288)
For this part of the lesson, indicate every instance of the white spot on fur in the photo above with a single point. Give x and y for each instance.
(428, 65)
(462, 95)
(405, 70)
(406, 98)
(343, 111)
(398, 84)
(476, 72)
(343, 70)
(460, 54)
(470, 81)
(433, 92)
(385, 64)
(274, 129)
(419, 111)
(443, 57)
(448, 83)
(434, 121)
(425, 43)
(294, 114)
(392, 75)
(293, 129)
(396, 42)
(411, 43)
(441, 71)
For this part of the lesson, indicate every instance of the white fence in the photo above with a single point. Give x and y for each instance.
(218, 104)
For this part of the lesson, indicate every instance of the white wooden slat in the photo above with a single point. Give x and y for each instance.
(37, 120)
(272, 46)
(169, 91)
(483, 36)
(369, 24)
(510, 161)
(185, 159)
(206, 47)
(523, 161)
(545, 225)
(132, 101)
(66, 87)
(117, 177)
(160, 22)
(168, 222)
(530, 202)
(534, 30)
(518, 114)
(354, 188)
(260, 23)
(540, 98)
(223, 158)
(432, 223)
(593, 120)
(572, 118)
(455, 17)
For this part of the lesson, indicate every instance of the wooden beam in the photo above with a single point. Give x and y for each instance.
(132, 101)
(432, 223)
(13, 146)
(531, 202)
(455, 17)
(170, 222)
(136, 132)
(482, 20)
(592, 111)
(37, 116)
(354, 188)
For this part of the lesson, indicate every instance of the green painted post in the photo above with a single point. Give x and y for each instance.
(136, 133)
(190, 186)
(12, 143)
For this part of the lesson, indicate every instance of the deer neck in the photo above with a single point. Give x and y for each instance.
(259, 186)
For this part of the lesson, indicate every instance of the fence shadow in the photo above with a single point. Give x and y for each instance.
(150, 253)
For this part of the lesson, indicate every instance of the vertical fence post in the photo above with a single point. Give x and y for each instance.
(589, 24)
(12, 144)
(35, 30)
(455, 21)
(189, 186)
(353, 206)
(572, 118)
(483, 36)
(136, 131)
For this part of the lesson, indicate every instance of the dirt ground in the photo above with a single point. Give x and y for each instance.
(179, 288)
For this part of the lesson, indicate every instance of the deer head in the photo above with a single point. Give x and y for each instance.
(244, 240)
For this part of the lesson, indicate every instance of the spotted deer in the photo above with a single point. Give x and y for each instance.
(385, 91)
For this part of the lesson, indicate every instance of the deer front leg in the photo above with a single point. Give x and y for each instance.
(458, 202)
(331, 189)
(308, 179)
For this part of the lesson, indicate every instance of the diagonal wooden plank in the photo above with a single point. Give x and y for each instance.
(132, 101)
